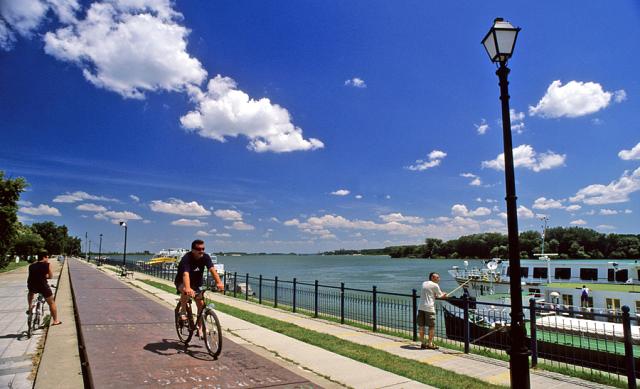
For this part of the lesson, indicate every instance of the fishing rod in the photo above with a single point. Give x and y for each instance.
(459, 286)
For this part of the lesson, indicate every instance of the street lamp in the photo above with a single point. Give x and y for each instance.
(89, 252)
(124, 254)
(499, 43)
(100, 251)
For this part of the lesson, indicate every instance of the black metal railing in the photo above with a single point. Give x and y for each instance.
(603, 344)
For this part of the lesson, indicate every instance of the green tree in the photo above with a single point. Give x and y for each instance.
(54, 236)
(10, 190)
(28, 243)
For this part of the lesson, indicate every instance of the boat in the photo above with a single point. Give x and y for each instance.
(167, 256)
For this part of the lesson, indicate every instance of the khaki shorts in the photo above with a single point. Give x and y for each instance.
(426, 319)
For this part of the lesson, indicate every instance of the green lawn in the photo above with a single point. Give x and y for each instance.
(12, 266)
(610, 287)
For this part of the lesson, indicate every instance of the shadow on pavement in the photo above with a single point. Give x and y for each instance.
(173, 347)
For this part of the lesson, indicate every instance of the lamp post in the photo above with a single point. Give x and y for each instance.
(100, 251)
(124, 254)
(499, 43)
(89, 252)
(86, 245)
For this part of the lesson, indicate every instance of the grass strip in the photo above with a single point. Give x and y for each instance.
(409, 368)
(13, 266)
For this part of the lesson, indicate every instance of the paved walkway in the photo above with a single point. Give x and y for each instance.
(337, 367)
(16, 350)
(130, 342)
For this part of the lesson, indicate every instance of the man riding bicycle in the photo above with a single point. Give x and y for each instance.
(189, 277)
(39, 273)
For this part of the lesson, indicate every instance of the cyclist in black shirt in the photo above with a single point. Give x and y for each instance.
(190, 270)
(39, 273)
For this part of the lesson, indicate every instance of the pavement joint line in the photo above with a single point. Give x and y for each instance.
(15, 359)
(16, 370)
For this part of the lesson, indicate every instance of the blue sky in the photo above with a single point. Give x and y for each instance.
(307, 126)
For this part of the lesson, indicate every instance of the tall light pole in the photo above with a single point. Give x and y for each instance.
(89, 252)
(124, 254)
(86, 245)
(499, 43)
(100, 251)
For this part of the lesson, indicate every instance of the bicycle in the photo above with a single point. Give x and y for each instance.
(35, 314)
(211, 332)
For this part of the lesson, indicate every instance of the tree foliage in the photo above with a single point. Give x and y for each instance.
(10, 190)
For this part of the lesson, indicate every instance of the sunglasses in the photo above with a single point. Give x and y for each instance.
(199, 249)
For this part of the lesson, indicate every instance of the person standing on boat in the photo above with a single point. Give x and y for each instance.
(427, 309)
(584, 297)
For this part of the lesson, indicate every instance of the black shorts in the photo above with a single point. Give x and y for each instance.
(180, 286)
(45, 290)
(426, 319)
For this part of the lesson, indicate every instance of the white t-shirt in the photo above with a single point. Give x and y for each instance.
(430, 290)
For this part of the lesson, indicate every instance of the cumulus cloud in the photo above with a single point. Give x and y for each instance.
(122, 215)
(358, 197)
(578, 222)
(517, 121)
(179, 207)
(341, 192)
(79, 196)
(628, 155)
(573, 208)
(461, 210)
(228, 214)
(574, 99)
(90, 207)
(545, 203)
(134, 198)
(481, 128)
(40, 210)
(356, 83)
(525, 213)
(129, 47)
(202, 233)
(400, 218)
(616, 191)
(608, 212)
(475, 180)
(223, 235)
(526, 157)
(225, 111)
(188, 223)
(240, 226)
(433, 159)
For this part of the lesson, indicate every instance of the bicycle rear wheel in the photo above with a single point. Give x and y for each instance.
(36, 318)
(212, 333)
(29, 323)
(184, 328)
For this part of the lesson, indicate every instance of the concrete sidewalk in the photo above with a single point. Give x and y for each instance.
(16, 350)
(335, 367)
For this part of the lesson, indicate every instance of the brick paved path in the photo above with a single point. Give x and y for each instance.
(130, 341)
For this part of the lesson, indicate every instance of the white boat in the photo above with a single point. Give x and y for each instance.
(167, 256)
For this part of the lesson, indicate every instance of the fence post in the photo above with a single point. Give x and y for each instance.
(260, 290)
(235, 283)
(375, 308)
(628, 348)
(275, 293)
(315, 302)
(534, 336)
(342, 303)
(465, 325)
(246, 288)
(224, 282)
(414, 298)
(295, 287)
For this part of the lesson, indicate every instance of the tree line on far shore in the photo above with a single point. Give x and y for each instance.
(572, 242)
(28, 241)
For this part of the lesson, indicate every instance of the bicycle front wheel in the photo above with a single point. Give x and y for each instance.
(29, 324)
(212, 333)
(183, 328)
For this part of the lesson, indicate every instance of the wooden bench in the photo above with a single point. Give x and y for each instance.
(124, 273)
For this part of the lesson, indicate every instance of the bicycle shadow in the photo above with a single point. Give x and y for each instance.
(170, 347)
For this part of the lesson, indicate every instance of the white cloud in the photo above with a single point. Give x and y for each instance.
(341, 192)
(228, 214)
(202, 233)
(40, 210)
(628, 155)
(134, 198)
(476, 181)
(240, 226)
(462, 211)
(79, 196)
(617, 191)
(129, 47)
(24, 203)
(517, 121)
(91, 207)
(627, 211)
(574, 99)
(482, 127)
(179, 207)
(225, 111)
(605, 227)
(573, 208)
(400, 218)
(608, 212)
(356, 83)
(434, 159)
(525, 156)
(121, 215)
(578, 222)
(525, 213)
(358, 197)
(274, 219)
(223, 235)
(545, 203)
(188, 223)
(388, 197)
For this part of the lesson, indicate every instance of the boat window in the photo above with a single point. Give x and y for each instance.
(589, 274)
(563, 273)
(524, 272)
(637, 307)
(620, 275)
(540, 272)
(535, 292)
(567, 300)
